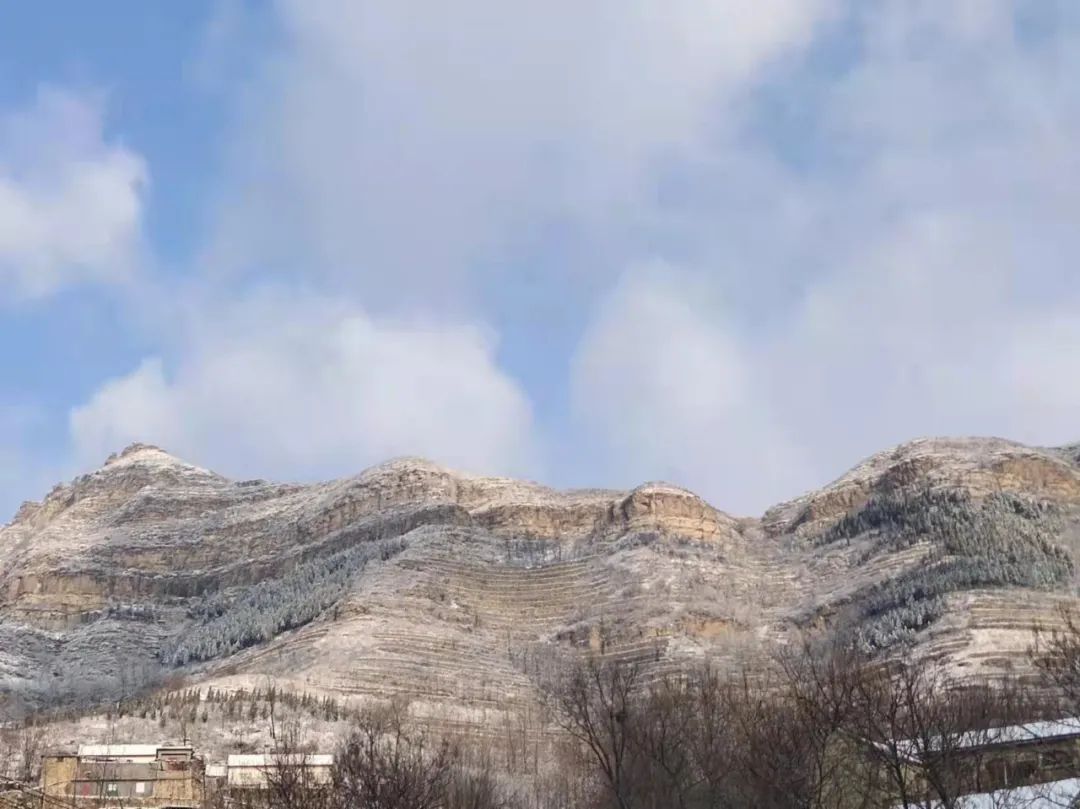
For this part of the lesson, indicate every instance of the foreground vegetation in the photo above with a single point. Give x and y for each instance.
(823, 727)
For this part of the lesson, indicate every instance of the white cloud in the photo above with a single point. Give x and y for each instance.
(400, 145)
(672, 393)
(926, 333)
(70, 202)
(934, 290)
(877, 243)
(294, 385)
(392, 149)
(24, 473)
(1038, 372)
(955, 252)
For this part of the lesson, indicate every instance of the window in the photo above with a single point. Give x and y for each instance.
(997, 771)
(1022, 770)
(1055, 759)
(140, 788)
(112, 789)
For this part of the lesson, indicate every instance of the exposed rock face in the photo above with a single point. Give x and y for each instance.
(148, 525)
(473, 583)
(977, 465)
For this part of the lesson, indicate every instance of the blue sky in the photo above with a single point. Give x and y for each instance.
(734, 246)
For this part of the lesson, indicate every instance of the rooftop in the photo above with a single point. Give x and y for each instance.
(270, 759)
(1042, 730)
(128, 750)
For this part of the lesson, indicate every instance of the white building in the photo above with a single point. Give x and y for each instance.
(253, 771)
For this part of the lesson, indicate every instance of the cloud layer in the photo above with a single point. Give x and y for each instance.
(291, 385)
(672, 394)
(70, 202)
(663, 239)
(917, 276)
(406, 150)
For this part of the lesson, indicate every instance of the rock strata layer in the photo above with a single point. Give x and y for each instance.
(456, 590)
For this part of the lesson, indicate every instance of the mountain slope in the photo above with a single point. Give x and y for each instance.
(458, 591)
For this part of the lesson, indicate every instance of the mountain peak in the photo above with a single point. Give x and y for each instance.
(136, 448)
(147, 455)
(409, 463)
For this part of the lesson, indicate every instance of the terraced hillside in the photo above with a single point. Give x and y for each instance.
(462, 593)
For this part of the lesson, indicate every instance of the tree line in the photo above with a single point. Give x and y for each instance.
(228, 623)
(1001, 540)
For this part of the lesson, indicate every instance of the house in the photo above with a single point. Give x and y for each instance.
(994, 760)
(215, 777)
(146, 776)
(256, 771)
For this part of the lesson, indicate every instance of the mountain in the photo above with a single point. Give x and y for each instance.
(459, 592)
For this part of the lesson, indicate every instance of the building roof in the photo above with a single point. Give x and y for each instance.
(117, 750)
(271, 759)
(1043, 730)
(130, 750)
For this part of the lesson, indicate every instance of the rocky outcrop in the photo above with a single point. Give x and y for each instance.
(979, 466)
(669, 509)
(460, 586)
(148, 525)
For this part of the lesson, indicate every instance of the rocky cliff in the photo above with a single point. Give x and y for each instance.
(457, 591)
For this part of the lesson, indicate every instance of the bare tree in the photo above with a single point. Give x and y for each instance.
(770, 738)
(772, 755)
(30, 745)
(291, 782)
(474, 790)
(663, 736)
(595, 703)
(821, 728)
(384, 764)
(933, 740)
(1056, 656)
(271, 703)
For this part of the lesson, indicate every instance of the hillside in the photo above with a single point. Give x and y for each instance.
(459, 592)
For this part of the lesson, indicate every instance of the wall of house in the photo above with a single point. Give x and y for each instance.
(242, 777)
(1009, 766)
(1033, 763)
(146, 785)
(58, 776)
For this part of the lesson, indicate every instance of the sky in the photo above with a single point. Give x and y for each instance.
(735, 246)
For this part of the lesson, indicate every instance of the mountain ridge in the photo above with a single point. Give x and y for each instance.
(448, 588)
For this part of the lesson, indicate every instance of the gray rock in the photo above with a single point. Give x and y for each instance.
(490, 580)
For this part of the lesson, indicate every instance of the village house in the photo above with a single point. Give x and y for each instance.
(214, 780)
(256, 771)
(145, 776)
(1000, 760)
(164, 776)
